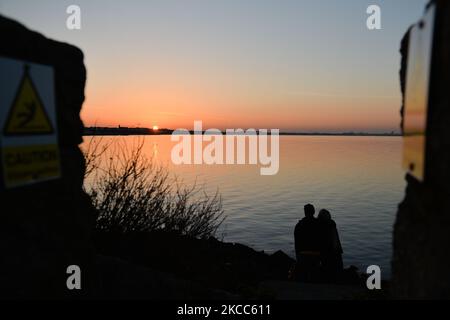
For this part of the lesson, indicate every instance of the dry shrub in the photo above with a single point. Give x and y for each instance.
(133, 194)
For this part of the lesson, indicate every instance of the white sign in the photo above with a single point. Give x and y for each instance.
(28, 139)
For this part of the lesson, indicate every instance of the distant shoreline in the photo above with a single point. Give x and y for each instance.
(125, 131)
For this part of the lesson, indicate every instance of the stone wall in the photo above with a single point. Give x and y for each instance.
(47, 226)
(421, 259)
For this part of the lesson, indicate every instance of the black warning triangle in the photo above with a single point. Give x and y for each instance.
(27, 114)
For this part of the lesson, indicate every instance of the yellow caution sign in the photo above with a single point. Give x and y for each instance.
(417, 95)
(23, 165)
(29, 150)
(27, 115)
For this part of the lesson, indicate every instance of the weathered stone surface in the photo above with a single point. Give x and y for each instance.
(210, 263)
(421, 260)
(46, 227)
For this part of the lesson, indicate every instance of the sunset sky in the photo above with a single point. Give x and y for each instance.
(300, 65)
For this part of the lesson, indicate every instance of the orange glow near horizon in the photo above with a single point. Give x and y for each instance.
(178, 107)
(289, 65)
(175, 95)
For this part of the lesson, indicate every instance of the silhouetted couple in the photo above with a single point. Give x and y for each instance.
(317, 247)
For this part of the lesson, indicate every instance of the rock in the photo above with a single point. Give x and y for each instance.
(214, 264)
(421, 257)
(47, 226)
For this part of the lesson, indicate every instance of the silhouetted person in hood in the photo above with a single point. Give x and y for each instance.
(307, 245)
(330, 246)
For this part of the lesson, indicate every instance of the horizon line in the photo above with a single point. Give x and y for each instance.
(165, 131)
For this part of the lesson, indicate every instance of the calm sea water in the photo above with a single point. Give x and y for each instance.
(359, 179)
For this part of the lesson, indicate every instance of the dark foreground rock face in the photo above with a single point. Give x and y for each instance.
(211, 263)
(47, 226)
(421, 260)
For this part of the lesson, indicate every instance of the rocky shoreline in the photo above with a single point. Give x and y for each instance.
(176, 266)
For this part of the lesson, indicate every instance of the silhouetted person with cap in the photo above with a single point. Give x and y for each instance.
(307, 245)
(330, 247)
